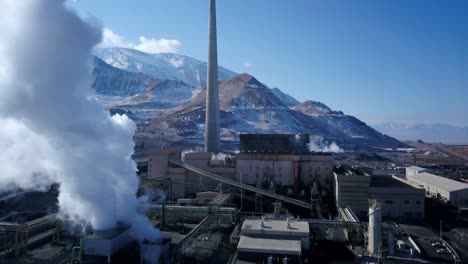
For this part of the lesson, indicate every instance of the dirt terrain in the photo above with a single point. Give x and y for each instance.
(440, 153)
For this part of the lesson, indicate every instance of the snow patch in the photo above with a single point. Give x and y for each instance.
(176, 62)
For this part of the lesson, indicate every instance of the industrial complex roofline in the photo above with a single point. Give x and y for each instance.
(240, 185)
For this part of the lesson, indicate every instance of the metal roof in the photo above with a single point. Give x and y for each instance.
(438, 181)
(388, 182)
(272, 227)
(416, 168)
(271, 246)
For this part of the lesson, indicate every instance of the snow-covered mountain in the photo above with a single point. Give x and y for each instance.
(285, 98)
(172, 91)
(171, 111)
(248, 106)
(111, 81)
(314, 108)
(436, 133)
(243, 91)
(160, 66)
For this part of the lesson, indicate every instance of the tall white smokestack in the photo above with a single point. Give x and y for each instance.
(212, 93)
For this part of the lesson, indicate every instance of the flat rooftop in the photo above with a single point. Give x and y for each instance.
(270, 246)
(439, 182)
(388, 182)
(270, 227)
(348, 170)
(107, 234)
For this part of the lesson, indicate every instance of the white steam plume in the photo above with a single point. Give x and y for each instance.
(220, 156)
(52, 127)
(318, 145)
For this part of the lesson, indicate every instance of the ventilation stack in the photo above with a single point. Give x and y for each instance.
(212, 92)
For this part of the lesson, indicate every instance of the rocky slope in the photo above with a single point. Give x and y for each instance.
(169, 109)
(160, 66)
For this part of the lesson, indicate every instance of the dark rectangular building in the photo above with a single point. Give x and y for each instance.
(274, 143)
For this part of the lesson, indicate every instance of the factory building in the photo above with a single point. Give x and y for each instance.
(106, 242)
(290, 170)
(413, 170)
(180, 182)
(204, 161)
(450, 191)
(285, 162)
(382, 171)
(273, 241)
(396, 196)
(352, 189)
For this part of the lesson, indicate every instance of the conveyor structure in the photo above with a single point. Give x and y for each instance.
(241, 185)
(17, 237)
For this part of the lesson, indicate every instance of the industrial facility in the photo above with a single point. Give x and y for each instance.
(396, 196)
(448, 190)
(273, 201)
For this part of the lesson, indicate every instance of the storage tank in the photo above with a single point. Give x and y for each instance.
(375, 227)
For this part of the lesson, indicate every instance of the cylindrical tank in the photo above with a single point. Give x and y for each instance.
(375, 227)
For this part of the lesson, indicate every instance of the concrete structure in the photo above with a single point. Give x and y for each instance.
(287, 170)
(399, 172)
(164, 175)
(194, 182)
(269, 246)
(374, 242)
(451, 191)
(274, 143)
(261, 239)
(155, 252)
(291, 174)
(288, 229)
(258, 191)
(106, 242)
(396, 196)
(212, 92)
(190, 214)
(352, 189)
(413, 170)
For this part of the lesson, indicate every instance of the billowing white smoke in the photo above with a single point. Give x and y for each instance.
(52, 127)
(191, 150)
(220, 156)
(318, 145)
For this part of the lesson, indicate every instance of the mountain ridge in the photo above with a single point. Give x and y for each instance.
(160, 65)
(172, 112)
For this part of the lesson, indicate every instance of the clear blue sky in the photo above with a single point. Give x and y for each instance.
(382, 61)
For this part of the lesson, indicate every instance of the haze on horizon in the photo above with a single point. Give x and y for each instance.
(387, 61)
